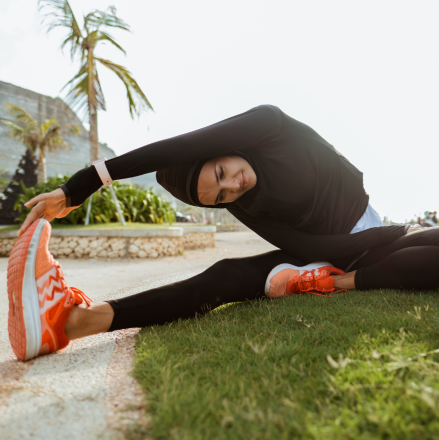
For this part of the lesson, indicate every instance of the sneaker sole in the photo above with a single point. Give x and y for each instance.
(24, 324)
(284, 266)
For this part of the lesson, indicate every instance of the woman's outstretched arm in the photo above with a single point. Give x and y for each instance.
(246, 130)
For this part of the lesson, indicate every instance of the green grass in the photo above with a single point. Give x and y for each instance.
(302, 367)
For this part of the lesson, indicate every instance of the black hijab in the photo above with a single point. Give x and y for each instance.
(182, 182)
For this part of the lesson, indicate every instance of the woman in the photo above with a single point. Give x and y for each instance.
(276, 175)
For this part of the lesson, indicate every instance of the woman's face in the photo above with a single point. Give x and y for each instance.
(224, 179)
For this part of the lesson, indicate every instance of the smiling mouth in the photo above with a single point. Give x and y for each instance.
(244, 182)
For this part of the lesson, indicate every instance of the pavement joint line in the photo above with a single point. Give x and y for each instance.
(83, 392)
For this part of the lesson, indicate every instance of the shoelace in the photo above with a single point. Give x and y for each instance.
(309, 285)
(79, 295)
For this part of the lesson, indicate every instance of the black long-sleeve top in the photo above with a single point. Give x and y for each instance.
(307, 197)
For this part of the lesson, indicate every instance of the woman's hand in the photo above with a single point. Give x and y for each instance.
(414, 228)
(48, 206)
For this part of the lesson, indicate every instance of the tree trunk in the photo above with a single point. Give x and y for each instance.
(93, 134)
(42, 169)
(92, 109)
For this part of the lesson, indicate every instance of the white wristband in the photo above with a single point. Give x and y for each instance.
(101, 168)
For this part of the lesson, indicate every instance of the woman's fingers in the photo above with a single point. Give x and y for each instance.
(35, 213)
(37, 199)
(56, 195)
(48, 205)
(39, 211)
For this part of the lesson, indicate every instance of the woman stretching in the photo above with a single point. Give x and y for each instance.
(273, 173)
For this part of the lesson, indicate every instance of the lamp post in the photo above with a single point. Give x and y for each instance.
(116, 202)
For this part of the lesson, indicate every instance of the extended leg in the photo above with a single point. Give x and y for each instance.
(426, 237)
(85, 321)
(409, 262)
(412, 267)
(230, 280)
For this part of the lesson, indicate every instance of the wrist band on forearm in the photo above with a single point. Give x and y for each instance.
(101, 168)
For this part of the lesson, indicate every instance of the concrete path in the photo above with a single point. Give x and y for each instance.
(85, 391)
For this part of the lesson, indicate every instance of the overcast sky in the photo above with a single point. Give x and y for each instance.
(364, 74)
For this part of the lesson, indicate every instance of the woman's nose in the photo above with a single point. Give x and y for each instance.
(231, 184)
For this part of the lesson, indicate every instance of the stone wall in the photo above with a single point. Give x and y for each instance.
(198, 240)
(6, 245)
(238, 227)
(98, 246)
(155, 247)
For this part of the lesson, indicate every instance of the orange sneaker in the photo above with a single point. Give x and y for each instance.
(314, 278)
(40, 301)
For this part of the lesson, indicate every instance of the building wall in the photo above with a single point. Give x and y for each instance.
(43, 107)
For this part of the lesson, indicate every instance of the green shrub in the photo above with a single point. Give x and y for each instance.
(136, 203)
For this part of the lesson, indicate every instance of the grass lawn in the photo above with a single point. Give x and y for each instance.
(358, 366)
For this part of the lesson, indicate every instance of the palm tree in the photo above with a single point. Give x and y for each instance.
(38, 138)
(85, 88)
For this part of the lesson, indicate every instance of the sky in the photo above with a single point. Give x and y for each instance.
(363, 74)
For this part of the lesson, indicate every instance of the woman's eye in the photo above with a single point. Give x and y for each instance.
(222, 173)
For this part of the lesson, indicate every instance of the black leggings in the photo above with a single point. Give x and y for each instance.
(411, 261)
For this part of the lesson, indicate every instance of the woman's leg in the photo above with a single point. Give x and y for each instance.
(413, 267)
(425, 237)
(243, 279)
(409, 262)
(230, 280)
(85, 321)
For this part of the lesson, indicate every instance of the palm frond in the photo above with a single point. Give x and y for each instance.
(25, 128)
(95, 19)
(104, 36)
(99, 94)
(53, 136)
(60, 14)
(15, 131)
(71, 129)
(21, 116)
(79, 97)
(137, 101)
(49, 125)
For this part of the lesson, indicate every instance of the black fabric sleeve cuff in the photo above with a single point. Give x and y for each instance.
(82, 185)
(67, 194)
(116, 308)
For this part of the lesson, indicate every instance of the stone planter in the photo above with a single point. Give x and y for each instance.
(120, 243)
